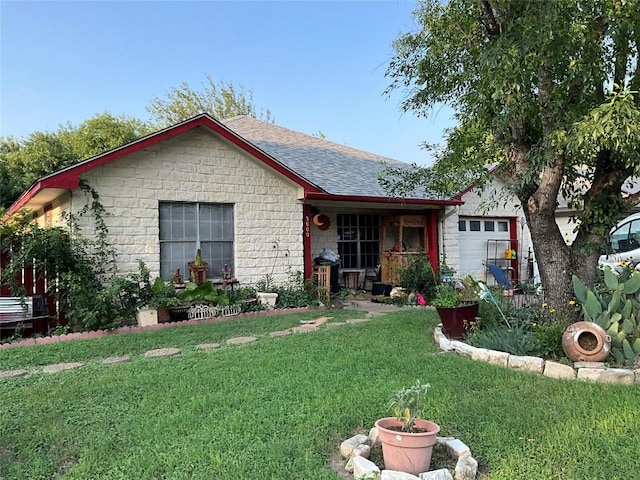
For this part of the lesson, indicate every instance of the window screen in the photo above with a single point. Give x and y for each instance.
(358, 240)
(185, 227)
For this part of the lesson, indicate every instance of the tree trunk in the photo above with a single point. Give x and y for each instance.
(558, 262)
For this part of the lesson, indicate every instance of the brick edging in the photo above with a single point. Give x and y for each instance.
(28, 342)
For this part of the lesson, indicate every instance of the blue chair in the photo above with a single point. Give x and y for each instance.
(500, 277)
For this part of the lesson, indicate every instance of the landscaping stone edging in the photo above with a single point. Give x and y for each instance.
(357, 449)
(587, 371)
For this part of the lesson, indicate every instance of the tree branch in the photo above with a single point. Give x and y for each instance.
(491, 15)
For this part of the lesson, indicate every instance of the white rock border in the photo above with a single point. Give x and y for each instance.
(587, 371)
(356, 451)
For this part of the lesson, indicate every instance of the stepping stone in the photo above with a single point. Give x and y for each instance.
(110, 360)
(359, 320)
(241, 340)
(13, 373)
(281, 333)
(208, 346)
(59, 367)
(162, 352)
(305, 328)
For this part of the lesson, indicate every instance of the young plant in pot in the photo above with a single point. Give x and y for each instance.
(407, 440)
(458, 309)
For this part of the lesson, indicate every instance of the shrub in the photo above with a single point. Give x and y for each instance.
(296, 293)
(418, 275)
(548, 337)
(516, 341)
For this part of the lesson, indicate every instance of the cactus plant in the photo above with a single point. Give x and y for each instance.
(616, 309)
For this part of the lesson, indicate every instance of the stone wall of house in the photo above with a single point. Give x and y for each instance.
(198, 167)
(449, 238)
(325, 238)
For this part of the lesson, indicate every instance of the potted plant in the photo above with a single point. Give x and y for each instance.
(458, 309)
(407, 440)
(267, 291)
(155, 299)
(162, 296)
(198, 269)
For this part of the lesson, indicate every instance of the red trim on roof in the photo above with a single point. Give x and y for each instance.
(68, 178)
(369, 199)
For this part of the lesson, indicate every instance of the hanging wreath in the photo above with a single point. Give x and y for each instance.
(322, 222)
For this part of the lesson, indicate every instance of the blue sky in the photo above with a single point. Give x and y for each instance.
(317, 66)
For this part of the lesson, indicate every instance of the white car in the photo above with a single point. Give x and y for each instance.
(624, 240)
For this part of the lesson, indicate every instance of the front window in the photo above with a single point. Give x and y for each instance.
(187, 227)
(359, 240)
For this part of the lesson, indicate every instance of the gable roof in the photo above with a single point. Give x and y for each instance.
(325, 170)
(336, 169)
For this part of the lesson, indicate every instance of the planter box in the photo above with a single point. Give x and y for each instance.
(179, 314)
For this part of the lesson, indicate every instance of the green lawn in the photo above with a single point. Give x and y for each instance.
(277, 408)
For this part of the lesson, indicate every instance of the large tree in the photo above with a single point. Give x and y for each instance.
(221, 100)
(22, 161)
(549, 91)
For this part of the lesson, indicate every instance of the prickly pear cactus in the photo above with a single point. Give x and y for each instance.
(616, 309)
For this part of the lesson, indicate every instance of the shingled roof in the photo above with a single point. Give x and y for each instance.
(325, 170)
(337, 169)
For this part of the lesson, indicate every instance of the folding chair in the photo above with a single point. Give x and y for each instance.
(500, 277)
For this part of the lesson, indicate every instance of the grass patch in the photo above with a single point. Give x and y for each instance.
(279, 407)
(179, 337)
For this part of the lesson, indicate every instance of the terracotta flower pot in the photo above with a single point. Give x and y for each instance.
(586, 342)
(407, 452)
(457, 320)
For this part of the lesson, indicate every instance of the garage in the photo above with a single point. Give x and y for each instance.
(484, 240)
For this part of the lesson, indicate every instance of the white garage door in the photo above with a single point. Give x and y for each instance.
(482, 240)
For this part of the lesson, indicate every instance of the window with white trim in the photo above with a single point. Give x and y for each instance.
(187, 227)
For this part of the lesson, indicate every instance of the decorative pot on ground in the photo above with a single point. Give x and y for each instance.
(179, 313)
(147, 316)
(586, 342)
(163, 315)
(407, 452)
(456, 321)
(268, 299)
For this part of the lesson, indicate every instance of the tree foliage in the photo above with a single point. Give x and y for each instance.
(221, 100)
(22, 162)
(547, 92)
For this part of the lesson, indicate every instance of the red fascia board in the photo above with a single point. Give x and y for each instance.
(69, 177)
(368, 199)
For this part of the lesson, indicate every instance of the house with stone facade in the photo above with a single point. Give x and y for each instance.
(262, 199)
